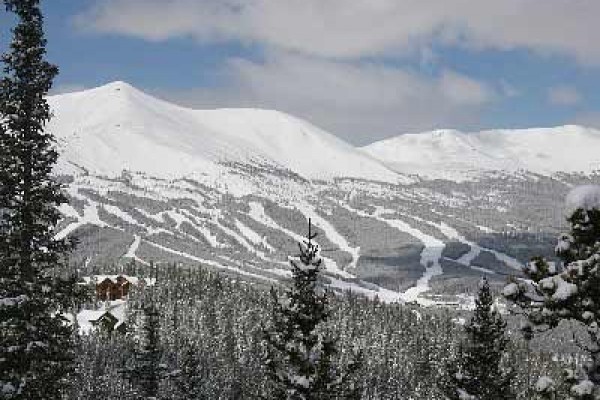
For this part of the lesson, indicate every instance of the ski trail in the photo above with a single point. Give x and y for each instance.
(137, 240)
(257, 213)
(252, 236)
(90, 216)
(430, 255)
(475, 250)
(208, 262)
(204, 231)
(117, 212)
(332, 234)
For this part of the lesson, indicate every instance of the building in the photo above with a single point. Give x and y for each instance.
(112, 287)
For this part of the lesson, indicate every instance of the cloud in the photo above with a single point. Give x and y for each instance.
(359, 101)
(360, 28)
(563, 96)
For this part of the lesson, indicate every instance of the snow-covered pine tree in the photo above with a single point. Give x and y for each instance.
(191, 379)
(36, 352)
(300, 356)
(479, 371)
(571, 291)
(146, 371)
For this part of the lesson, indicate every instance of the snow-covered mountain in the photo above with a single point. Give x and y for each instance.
(116, 127)
(451, 154)
(232, 190)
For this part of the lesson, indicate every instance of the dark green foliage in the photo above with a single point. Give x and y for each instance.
(146, 370)
(479, 369)
(220, 333)
(191, 377)
(568, 292)
(300, 356)
(35, 340)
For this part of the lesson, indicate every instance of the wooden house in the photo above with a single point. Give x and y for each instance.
(112, 287)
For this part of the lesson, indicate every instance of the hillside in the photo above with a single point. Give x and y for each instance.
(450, 154)
(232, 190)
(116, 127)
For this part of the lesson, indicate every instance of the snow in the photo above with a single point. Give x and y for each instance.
(544, 384)
(209, 262)
(96, 130)
(564, 289)
(252, 236)
(13, 301)
(257, 212)
(510, 290)
(454, 155)
(430, 255)
(475, 250)
(583, 388)
(100, 278)
(137, 240)
(90, 216)
(117, 212)
(332, 234)
(86, 318)
(586, 197)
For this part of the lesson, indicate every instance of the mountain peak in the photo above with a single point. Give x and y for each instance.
(117, 86)
(117, 127)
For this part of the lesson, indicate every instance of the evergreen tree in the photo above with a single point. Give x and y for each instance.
(191, 378)
(555, 293)
(36, 353)
(147, 371)
(478, 372)
(301, 357)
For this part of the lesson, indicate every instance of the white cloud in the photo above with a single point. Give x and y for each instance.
(563, 96)
(361, 102)
(360, 28)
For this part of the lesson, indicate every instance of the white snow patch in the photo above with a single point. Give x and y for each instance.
(332, 234)
(208, 262)
(586, 197)
(257, 212)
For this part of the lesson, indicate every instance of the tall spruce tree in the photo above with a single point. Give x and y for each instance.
(146, 371)
(478, 372)
(569, 291)
(300, 356)
(35, 342)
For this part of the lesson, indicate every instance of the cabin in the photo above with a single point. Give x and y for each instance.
(112, 287)
(109, 323)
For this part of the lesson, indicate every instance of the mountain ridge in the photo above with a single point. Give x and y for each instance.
(96, 127)
(452, 154)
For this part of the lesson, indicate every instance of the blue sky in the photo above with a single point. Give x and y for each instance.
(365, 72)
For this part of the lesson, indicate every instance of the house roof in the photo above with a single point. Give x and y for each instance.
(97, 279)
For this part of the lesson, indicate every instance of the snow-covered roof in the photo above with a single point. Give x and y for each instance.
(87, 318)
(113, 278)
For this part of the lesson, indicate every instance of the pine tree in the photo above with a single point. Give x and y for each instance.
(301, 357)
(478, 372)
(571, 291)
(191, 378)
(36, 353)
(147, 371)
